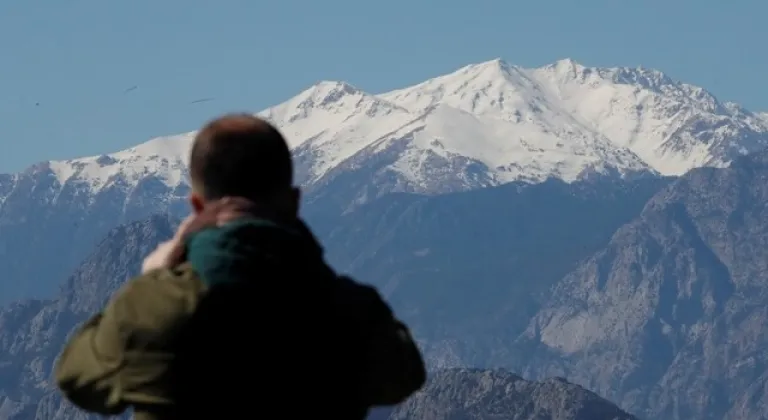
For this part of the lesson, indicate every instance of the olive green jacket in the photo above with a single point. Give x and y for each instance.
(121, 357)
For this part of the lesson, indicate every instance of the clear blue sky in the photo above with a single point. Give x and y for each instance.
(76, 57)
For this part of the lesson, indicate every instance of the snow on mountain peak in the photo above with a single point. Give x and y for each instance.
(164, 157)
(567, 67)
(523, 150)
(492, 88)
(561, 120)
(763, 117)
(325, 93)
(672, 126)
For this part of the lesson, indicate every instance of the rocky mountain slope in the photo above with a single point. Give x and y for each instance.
(474, 394)
(669, 319)
(485, 124)
(32, 332)
(657, 304)
(467, 270)
(46, 229)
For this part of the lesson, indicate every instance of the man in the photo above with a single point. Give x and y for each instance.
(238, 315)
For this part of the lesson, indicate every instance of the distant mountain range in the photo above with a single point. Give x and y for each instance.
(32, 333)
(650, 292)
(606, 226)
(483, 125)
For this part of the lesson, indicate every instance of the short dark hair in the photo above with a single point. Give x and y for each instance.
(240, 155)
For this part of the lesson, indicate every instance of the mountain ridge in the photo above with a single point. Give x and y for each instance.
(546, 108)
(481, 126)
(472, 394)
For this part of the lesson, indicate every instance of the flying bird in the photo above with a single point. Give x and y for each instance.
(201, 100)
(130, 89)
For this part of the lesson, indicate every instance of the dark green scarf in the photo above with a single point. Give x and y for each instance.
(225, 253)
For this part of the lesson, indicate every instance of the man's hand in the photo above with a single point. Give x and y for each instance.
(171, 253)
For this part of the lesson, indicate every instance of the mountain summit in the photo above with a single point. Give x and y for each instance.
(483, 125)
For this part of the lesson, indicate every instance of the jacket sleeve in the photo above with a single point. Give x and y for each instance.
(88, 368)
(120, 356)
(394, 368)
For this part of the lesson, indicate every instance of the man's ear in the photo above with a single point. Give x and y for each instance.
(196, 202)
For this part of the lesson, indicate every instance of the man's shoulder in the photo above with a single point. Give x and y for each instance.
(158, 301)
(159, 284)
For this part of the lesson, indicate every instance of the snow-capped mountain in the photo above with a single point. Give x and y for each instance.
(484, 124)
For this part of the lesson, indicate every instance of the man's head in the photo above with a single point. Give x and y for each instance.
(239, 155)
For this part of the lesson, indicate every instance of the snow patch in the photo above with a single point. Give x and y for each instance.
(163, 157)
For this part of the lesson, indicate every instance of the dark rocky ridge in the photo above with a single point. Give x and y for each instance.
(474, 394)
(32, 332)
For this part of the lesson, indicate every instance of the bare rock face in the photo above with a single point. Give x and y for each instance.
(669, 319)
